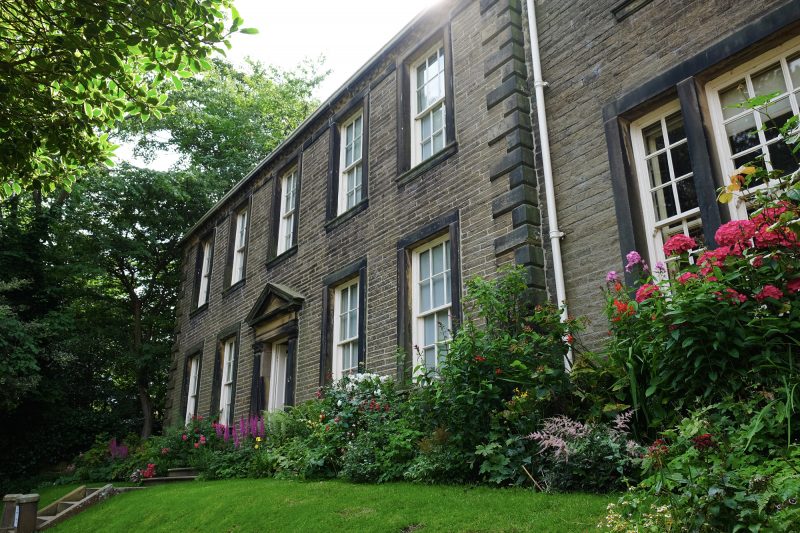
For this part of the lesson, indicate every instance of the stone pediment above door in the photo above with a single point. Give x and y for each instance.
(276, 305)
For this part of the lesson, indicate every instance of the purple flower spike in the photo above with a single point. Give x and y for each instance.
(612, 276)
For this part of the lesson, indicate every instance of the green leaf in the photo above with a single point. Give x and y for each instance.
(249, 31)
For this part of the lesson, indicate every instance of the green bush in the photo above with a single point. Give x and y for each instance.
(503, 373)
(709, 474)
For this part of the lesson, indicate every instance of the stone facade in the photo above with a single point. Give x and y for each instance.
(480, 190)
(606, 63)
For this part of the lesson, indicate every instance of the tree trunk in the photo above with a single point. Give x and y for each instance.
(142, 383)
(147, 406)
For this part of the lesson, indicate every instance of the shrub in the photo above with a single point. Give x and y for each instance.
(721, 325)
(590, 457)
(505, 349)
(707, 474)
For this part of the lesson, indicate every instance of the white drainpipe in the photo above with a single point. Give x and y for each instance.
(547, 171)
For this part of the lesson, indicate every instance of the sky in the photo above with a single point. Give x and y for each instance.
(346, 32)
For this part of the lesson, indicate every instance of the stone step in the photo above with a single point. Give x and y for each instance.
(168, 479)
(74, 496)
(64, 505)
(181, 472)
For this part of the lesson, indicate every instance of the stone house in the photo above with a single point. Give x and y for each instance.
(347, 247)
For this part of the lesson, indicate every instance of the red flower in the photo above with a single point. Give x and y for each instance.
(686, 277)
(479, 359)
(570, 338)
(731, 294)
(769, 291)
(498, 371)
(793, 286)
(622, 310)
(646, 291)
(704, 441)
(196, 444)
(658, 449)
(736, 233)
(617, 286)
(678, 244)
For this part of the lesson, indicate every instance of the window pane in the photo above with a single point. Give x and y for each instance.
(686, 194)
(430, 357)
(777, 113)
(354, 297)
(425, 265)
(742, 133)
(659, 170)
(348, 155)
(425, 296)
(421, 75)
(438, 142)
(681, 163)
(349, 134)
(781, 157)
(439, 295)
(769, 80)
(429, 334)
(438, 117)
(664, 203)
(425, 125)
(675, 128)
(438, 258)
(352, 321)
(731, 96)
(447, 296)
(653, 138)
(794, 70)
(426, 150)
(343, 327)
(443, 325)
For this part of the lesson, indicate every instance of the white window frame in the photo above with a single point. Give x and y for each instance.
(205, 274)
(418, 115)
(194, 386)
(350, 344)
(654, 227)
(288, 211)
(277, 375)
(738, 207)
(354, 167)
(418, 316)
(239, 247)
(226, 383)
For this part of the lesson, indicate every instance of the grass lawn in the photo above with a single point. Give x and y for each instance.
(273, 505)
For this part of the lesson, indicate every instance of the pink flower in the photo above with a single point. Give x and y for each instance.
(686, 276)
(648, 290)
(202, 439)
(612, 276)
(731, 294)
(184, 437)
(196, 444)
(678, 244)
(735, 232)
(634, 259)
(769, 291)
(793, 286)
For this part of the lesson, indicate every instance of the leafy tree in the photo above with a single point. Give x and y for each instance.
(71, 70)
(228, 119)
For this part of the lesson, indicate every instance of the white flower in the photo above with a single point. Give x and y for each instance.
(339, 403)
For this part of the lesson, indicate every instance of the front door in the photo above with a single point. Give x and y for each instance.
(277, 376)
